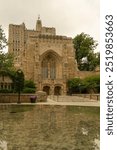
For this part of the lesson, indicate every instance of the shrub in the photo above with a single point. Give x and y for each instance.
(29, 84)
(29, 90)
(74, 85)
(92, 84)
(29, 87)
(87, 85)
(6, 91)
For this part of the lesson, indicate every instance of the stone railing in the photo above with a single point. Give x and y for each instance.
(13, 98)
(90, 96)
(75, 97)
(24, 98)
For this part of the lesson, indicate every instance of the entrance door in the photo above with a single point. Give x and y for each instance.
(57, 90)
(46, 89)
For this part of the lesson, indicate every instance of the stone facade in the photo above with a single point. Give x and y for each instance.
(46, 58)
(5, 83)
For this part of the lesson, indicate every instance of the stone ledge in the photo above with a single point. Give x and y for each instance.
(24, 98)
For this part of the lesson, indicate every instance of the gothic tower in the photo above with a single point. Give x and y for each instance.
(38, 25)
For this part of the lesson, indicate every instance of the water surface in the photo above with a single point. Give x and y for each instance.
(46, 127)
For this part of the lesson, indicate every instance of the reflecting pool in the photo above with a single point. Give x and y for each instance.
(49, 127)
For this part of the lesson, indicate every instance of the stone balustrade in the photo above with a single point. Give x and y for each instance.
(24, 98)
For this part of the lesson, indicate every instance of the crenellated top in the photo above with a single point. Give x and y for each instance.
(51, 37)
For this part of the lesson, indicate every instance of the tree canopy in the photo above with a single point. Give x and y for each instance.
(3, 40)
(6, 63)
(6, 59)
(84, 51)
(87, 85)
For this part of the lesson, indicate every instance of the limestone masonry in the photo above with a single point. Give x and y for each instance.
(46, 58)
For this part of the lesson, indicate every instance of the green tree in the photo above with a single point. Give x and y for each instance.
(6, 59)
(89, 84)
(6, 63)
(3, 40)
(84, 51)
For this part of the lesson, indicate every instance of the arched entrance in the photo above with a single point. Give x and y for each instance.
(57, 90)
(46, 89)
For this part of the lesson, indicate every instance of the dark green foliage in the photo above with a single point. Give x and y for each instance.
(29, 87)
(6, 61)
(29, 90)
(74, 85)
(92, 84)
(29, 84)
(10, 74)
(6, 91)
(84, 51)
(87, 85)
(6, 64)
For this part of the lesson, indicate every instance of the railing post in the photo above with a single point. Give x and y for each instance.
(97, 97)
(90, 96)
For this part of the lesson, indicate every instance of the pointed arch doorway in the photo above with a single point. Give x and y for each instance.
(46, 89)
(57, 90)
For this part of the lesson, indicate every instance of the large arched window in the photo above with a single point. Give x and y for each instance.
(49, 67)
(44, 69)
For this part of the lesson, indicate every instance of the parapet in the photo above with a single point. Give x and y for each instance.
(48, 31)
(43, 33)
(51, 38)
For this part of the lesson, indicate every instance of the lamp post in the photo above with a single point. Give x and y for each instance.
(79, 88)
(19, 83)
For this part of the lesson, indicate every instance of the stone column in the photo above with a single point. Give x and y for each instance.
(48, 70)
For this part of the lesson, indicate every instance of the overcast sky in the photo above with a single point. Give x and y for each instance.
(69, 17)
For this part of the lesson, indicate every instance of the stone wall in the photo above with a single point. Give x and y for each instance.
(84, 74)
(76, 98)
(13, 98)
(89, 96)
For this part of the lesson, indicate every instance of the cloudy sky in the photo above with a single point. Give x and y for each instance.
(69, 17)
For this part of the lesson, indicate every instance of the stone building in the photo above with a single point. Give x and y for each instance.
(46, 58)
(6, 83)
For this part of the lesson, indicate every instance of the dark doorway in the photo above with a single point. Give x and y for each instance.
(46, 89)
(57, 90)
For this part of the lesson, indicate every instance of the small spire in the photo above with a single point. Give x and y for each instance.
(38, 24)
(38, 17)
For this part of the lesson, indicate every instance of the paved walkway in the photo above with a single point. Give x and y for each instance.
(84, 103)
